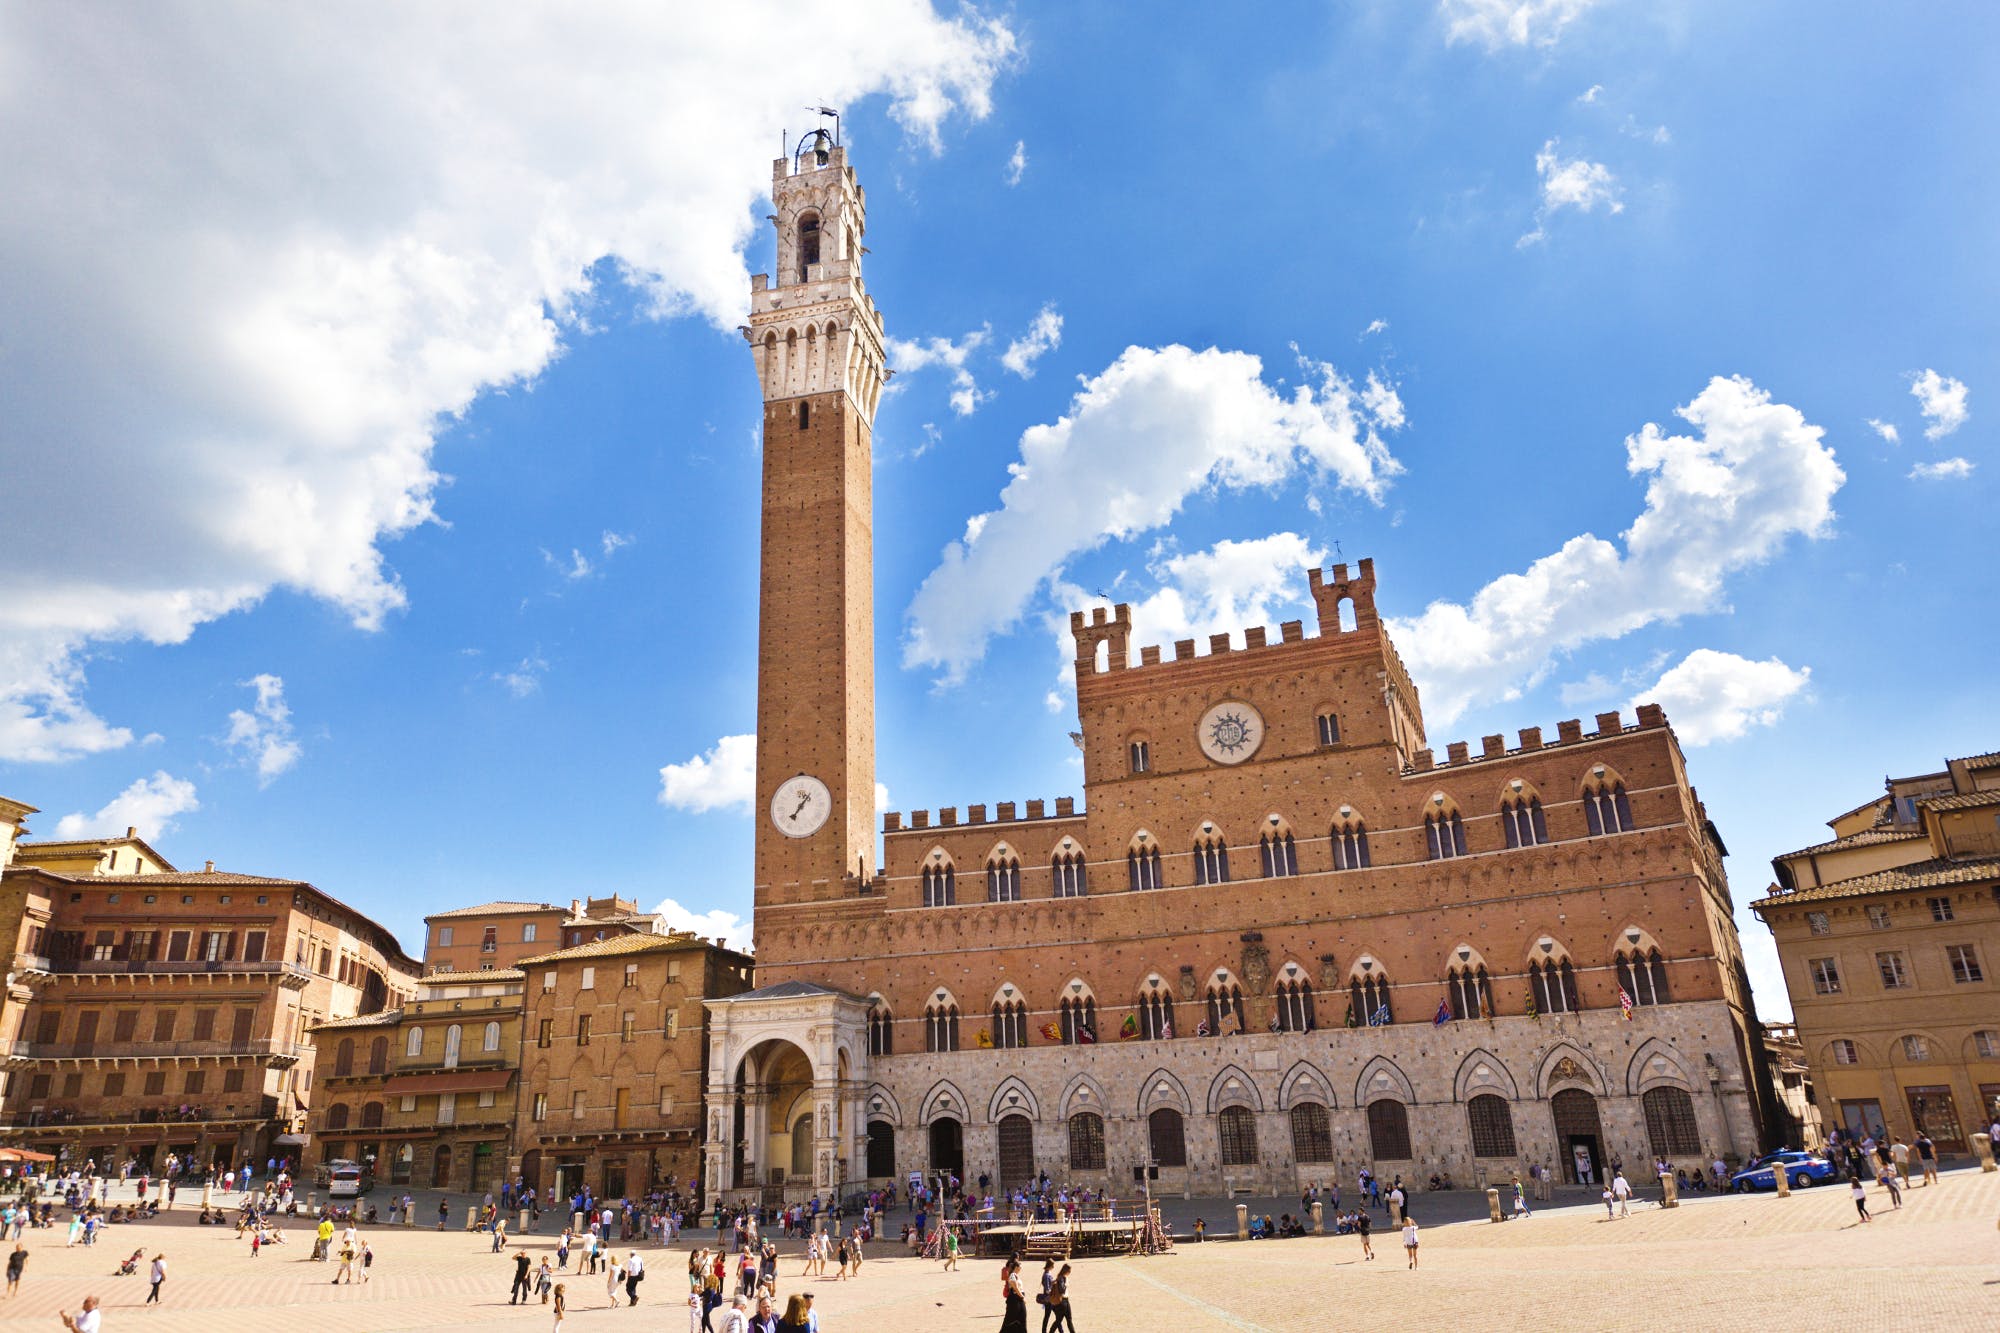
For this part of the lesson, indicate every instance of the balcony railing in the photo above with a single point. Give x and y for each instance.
(63, 1117)
(1973, 843)
(151, 1050)
(232, 967)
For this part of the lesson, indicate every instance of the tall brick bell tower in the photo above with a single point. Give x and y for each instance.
(817, 339)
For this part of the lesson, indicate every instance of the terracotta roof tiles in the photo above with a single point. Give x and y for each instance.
(1933, 874)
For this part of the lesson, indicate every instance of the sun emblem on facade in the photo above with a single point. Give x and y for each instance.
(1230, 732)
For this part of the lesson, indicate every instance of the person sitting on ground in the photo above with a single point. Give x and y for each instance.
(1447, 1181)
(1256, 1227)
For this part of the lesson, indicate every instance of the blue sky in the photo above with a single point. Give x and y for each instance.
(381, 465)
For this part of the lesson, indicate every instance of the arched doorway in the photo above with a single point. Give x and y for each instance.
(441, 1168)
(1017, 1151)
(802, 1145)
(1579, 1139)
(948, 1147)
(775, 1131)
(881, 1149)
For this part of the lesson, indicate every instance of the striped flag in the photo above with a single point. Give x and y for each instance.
(1380, 1018)
(1625, 1003)
(1442, 1016)
(1534, 1011)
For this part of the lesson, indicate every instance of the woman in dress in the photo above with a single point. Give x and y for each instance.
(1015, 1320)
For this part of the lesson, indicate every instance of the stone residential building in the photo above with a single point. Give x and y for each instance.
(170, 1011)
(427, 1093)
(1889, 933)
(1792, 1080)
(1281, 938)
(614, 1060)
(501, 934)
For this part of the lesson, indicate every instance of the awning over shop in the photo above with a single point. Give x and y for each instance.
(464, 1080)
(293, 1140)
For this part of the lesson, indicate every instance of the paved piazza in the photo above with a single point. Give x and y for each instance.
(1934, 1265)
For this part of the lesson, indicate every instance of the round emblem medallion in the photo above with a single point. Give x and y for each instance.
(1230, 732)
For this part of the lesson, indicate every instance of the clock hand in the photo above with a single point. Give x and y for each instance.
(804, 798)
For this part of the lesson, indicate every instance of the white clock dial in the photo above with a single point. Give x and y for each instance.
(800, 806)
(1230, 732)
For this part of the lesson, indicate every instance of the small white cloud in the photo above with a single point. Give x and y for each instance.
(1886, 430)
(1949, 469)
(881, 797)
(716, 923)
(1572, 182)
(1712, 696)
(1591, 94)
(577, 566)
(1044, 335)
(526, 678)
(908, 355)
(1495, 24)
(1942, 401)
(262, 735)
(1017, 162)
(614, 542)
(148, 805)
(724, 778)
(1591, 689)
(1375, 326)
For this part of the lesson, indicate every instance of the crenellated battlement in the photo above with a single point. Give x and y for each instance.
(1328, 595)
(1458, 754)
(1004, 812)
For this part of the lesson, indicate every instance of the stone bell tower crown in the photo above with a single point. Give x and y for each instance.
(817, 342)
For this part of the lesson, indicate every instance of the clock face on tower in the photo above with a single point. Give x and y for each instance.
(800, 806)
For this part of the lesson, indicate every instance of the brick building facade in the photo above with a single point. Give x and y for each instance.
(1280, 939)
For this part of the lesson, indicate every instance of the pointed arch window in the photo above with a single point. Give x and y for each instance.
(1552, 985)
(1225, 1009)
(1605, 807)
(1492, 1124)
(1368, 998)
(1086, 1141)
(1139, 757)
(1312, 1135)
(1470, 993)
(1521, 817)
(808, 243)
(1328, 725)
(1643, 976)
(1077, 1016)
(881, 1031)
(941, 1026)
(1670, 1122)
(490, 1039)
(1003, 880)
(1142, 864)
(1068, 872)
(452, 1036)
(1280, 855)
(1211, 860)
(1444, 835)
(940, 882)
(1295, 1006)
(1166, 1133)
(1156, 1014)
(1010, 1025)
(1350, 846)
(1389, 1131)
(413, 1043)
(1237, 1127)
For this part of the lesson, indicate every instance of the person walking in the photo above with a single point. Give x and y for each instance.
(1410, 1239)
(499, 1235)
(562, 1304)
(950, 1253)
(1363, 1224)
(346, 1269)
(1860, 1195)
(16, 1263)
(444, 1213)
(518, 1295)
(89, 1319)
(1887, 1179)
(1621, 1190)
(1014, 1304)
(1927, 1155)
(612, 1276)
(1048, 1293)
(635, 1273)
(1059, 1302)
(159, 1276)
(367, 1263)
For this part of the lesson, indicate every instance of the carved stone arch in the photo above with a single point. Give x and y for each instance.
(1163, 1088)
(1292, 970)
(1222, 976)
(1517, 789)
(1365, 965)
(1156, 979)
(1865, 1053)
(1625, 943)
(1084, 1093)
(937, 856)
(1547, 947)
(1076, 988)
(1464, 954)
(1012, 1097)
(1234, 1087)
(1001, 852)
(1440, 802)
(881, 1104)
(1275, 825)
(1306, 1082)
(1566, 1066)
(1656, 1064)
(944, 1102)
(1008, 993)
(1380, 1078)
(1208, 829)
(1142, 841)
(1483, 1071)
(1937, 1050)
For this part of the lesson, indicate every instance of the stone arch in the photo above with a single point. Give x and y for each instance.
(944, 1102)
(1381, 1077)
(1234, 1087)
(1306, 1082)
(1163, 1088)
(1656, 1064)
(1547, 947)
(1580, 1072)
(1865, 1053)
(1936, 1048)
(881, 1104)
(1084, 1093)
(1599, 777)
(1012, 1097)
(1517, 789)
(1483, 1071)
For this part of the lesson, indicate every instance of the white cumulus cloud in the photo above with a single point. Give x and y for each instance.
(261, 735)
(1886, 430)
(1942, 401)
(1044, 335)
(266, 250)
(1752, 475)
(1570, 182)
(526, 677)
(1158, 425)
(1223, 590)
(723, 778)
(912, 354)
(1714, 696)
(1946, 469)
(1495, 24)
(1017, 162)
(148, 805)
(716, 923)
